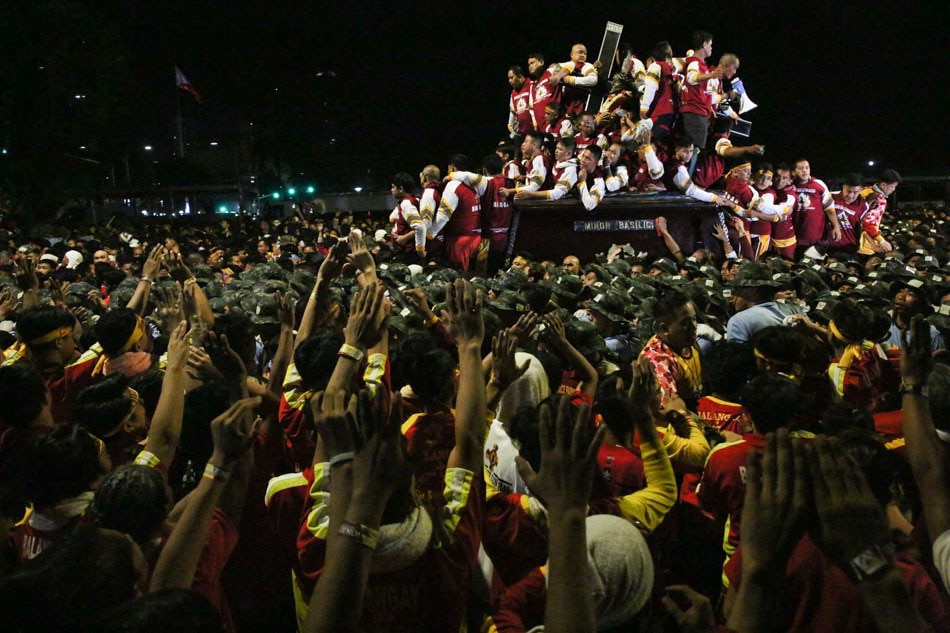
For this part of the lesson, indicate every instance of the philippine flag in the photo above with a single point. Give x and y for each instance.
(182, 82)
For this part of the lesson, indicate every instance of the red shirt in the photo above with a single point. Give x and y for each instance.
(723, 415)
(542, 92)
(520, 104)
(825, 599)
(694, 97)
(849, 218)
(619, 472)
(722, 489)
(813, 199)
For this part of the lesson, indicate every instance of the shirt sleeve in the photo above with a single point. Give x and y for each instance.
(692, 72)
(535, 177)
(649, 505)
(447, 206)
(564, 184)
(685, 184)
(591, 197)
(689, 451)
(654, 166)
(651, 83)
(318, 519)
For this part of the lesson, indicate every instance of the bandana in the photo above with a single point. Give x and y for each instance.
(55, 335)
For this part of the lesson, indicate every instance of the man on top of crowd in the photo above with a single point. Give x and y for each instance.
(536, 165)
(576, 77)
(696, 102)
(520, 114)
(784, 241)
(409, 230)
(660, 101)
(876, 197)
(616, 172)
(460, 215)
(542, 90)
(815, 207)
(564, 174)
(587, 133)
(850, 208)
(590, 178)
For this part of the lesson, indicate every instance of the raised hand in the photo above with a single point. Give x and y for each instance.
(234, 431)
(775, 499)
(524, 326)
(503, 366)
(225, 359)
(9, 303)
(334, 417)
(569, 446)
(177, 268)
(916, 358)
(286, 310)
(177, 355)
(553, 335)
(332, 265)
(645, 396)
(359, 257)
(852, 520)
(153, 263)
(26, 277)
(199, 365)
(368, 314)
(463, 314)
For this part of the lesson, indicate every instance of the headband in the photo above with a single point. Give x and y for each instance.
(49, 337)
(137, 333)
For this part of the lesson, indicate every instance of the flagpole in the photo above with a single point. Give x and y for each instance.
(181, 140)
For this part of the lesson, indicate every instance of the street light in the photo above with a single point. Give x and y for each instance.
(357, 189)
(870, 163)
(147, 148)
(311, 189)
(291, 191)
(275, 195)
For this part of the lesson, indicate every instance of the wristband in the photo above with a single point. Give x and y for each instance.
(143, 278)
(342, 458)
(353, 353)
(189, 281)
(872, 563)
(362, 534)
(431, 321)
(216, 473)
(913, 389)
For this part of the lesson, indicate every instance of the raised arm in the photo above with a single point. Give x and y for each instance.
(374, 472)
(924, 449)
(463, 316)
(150, 269)
(316, 305)
(568, 453)
(555, 337)
(165, 431)
(233, 432)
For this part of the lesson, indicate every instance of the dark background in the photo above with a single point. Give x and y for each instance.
(347, 95)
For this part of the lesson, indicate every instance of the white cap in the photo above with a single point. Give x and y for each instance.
(415, 269)
(72, 259)
(49, 257)
(379, 235)
(134, 243)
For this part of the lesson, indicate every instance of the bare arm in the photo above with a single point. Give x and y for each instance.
(555, 337)
(150, 269)
(568, 451)
(165, 431)
(316, 304)
(671, 244)
(924, 449)
(465, 324)
(233, 433)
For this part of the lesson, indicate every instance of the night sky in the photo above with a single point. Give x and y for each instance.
(415, 83)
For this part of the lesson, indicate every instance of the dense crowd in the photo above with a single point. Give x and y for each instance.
(334, 424)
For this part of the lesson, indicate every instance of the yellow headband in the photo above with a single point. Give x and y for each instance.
(837, 333)
(744, 165)
(764, 172)
(134, 402)
(55, 335)
(134, 337)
